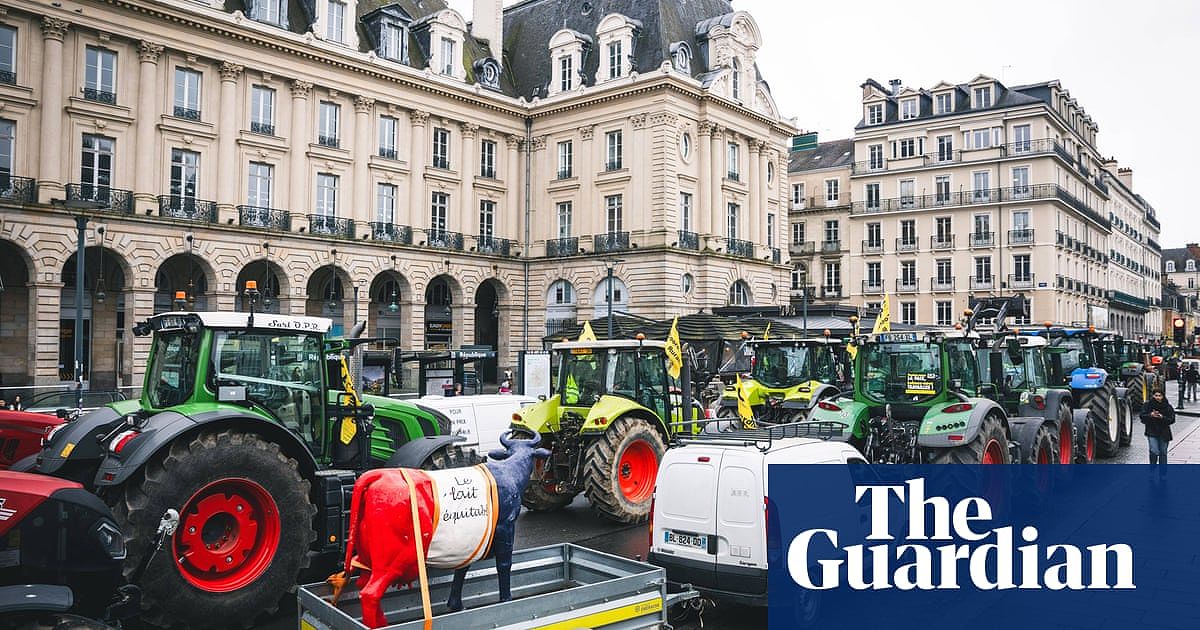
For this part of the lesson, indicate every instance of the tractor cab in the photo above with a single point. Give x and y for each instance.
(788, 377)
(917, 369)
(1082, 357)
(632, 370)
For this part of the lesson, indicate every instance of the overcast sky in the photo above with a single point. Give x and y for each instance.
(1127, 63)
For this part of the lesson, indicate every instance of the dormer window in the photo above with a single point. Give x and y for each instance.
(736, 80)
(615, 36)
(335, 21)
(1190, 265)
(392, 39)
(615, 63)
(945, 103)
(441, 37)
(388, 28)
(908, 109)
(566, 73)
(681, 57)
(983, 96)
(447, 56)
(272, 12)
(1170, 266)
(566, 49)
(875, 114)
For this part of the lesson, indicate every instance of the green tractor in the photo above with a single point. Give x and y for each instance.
(249, 426)
(1130, 362)
(788, 377)
(918, 398)
(607, 426)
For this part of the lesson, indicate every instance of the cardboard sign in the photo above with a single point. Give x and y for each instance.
(919, 384)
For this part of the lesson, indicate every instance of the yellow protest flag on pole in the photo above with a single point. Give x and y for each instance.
(674, 351)
(883, 321)
(743, 407)
(767, 331)
(586, 334)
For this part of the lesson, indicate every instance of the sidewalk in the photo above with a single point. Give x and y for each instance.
(1185, 448)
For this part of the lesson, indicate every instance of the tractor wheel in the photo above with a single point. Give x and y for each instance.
(245, 527)
(1135, 394)
(1085, 446)
(990, 446)
(621, 469)
(1064, 442)
(1042, 449)
(540, 496)
(1105, 415)
(451, 456)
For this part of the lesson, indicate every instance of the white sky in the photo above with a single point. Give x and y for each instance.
(1127, 63)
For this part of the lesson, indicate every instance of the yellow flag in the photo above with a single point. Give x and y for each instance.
(883, 321)
(767, 331)
(349, 427)
(587, 334)
(674, 351)
(852, 347)
(743, 407)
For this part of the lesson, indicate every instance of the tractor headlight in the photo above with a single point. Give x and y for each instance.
(110, 539)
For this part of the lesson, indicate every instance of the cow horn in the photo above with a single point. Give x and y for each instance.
(504, 441)
(535, 440)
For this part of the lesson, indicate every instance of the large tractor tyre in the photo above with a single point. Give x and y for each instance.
(1135, 392)
(621, 468)
(1105, 414)
(1064, 440)
(245, 528)
(451, 456)
(990, 446)
(1041, 450)
(1085, 445)
(1128, 418)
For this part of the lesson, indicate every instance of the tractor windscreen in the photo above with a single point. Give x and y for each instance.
(281, 372)
(171, 375)
(786, 366)
(1076, 355)
(901, 372)
(581, 377)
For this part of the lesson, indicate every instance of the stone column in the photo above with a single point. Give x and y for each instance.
(44, 304)
(638, 221)
(298, 177)
(227, 131)
(750, 219)
(514, 210)
(417, 322)
(716, 210)
(49, 175)
(418, 205)
(537, 173)
(362, 158)
(139, 306)
(764, 157)
(147, 113)
(466, 201)
(703, 210)
(586, 167)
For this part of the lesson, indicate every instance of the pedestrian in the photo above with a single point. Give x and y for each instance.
(3, 404)
(1158, 416)
(1181, 379)
(17, 404)
(1193, 379)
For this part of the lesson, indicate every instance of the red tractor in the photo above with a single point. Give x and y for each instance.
(22, 434)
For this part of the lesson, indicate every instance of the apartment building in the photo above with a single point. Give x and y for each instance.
(980, 188)
(449, 182)
(819, 218)
(1135, 259)
(1181, 270)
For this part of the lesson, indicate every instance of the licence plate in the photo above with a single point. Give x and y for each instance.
(692, 541)
(896, 337)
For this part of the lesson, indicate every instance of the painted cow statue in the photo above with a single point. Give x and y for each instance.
(463, 514)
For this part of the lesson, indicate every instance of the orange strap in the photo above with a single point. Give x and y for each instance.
(420, 549)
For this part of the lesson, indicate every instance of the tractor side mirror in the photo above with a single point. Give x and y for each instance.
(1013, 347)
(996, 368)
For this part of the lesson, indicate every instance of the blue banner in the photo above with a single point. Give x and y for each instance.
(1025, 547)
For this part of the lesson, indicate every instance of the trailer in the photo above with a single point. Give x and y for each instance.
(556, 586)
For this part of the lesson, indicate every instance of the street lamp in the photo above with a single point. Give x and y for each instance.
(611, 263)
(81, 219)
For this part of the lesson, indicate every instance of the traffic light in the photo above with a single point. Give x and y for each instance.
(1180, 327)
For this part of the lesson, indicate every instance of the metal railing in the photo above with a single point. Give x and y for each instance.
(565, 246)
(100, 96)
(1020, 237)
(565, 173)
(392, 233)
(265, 218)
(983, 196)
(1021, 281)
(612, 165)
(1125, 298)
(986, 283)
(8, 77)
(1021, 148)
(831, 247)
(113, 199)
(187, 208)
(610, 242)
(983, 239)
(906, 245)
(328, 225)
(802, 248)
(266, 129)
(441, 161)
(689, 240)
(733, 176)
(19, 189)
(869, 247)
(186, 113)
(910, 285)
(487, 244)
(739, 247)
(443, 239)
(387, 153)
(941, 284)
(776, 256)
(831, 291)
(328, 141)
(872, 288)
(945, 241)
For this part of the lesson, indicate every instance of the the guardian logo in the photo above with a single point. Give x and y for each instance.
(975, 555)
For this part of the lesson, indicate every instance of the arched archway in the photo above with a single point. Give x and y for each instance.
(439, 312)
(328, 288)
(104, 309)
(620, 297)
(271, 286)
(390, 310)
(15, 317)
(488, 298)
(184, 272)
(560, 306)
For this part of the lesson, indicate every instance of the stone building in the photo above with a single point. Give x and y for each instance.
(449, 182)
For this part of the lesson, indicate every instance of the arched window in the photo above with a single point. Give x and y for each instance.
(1190, 265)
(737, 80)
(739, 294)
(560, 306)
(561, 292)
(1170, 266)
(620, 297)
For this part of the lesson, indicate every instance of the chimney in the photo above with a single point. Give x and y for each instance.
(895, 83)
(1126, 177)
(1194, 250)
(487, 22)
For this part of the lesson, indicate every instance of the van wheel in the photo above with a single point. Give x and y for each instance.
(621, 468)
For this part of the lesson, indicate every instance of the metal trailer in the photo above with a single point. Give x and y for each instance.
(557, 586)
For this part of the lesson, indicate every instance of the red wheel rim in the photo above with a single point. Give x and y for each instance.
(1091, 444)
(1043, 456)
(636, 470)
(1065, 444)
(228, 534)
(993, 453)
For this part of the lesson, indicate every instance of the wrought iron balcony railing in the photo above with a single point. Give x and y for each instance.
(186, 113)
(802, 248)
(387, 153)
(945, 241)
(831, 291)
(983, 239)
(560, 247)
(870, 287)
(328, 141)
(872, 247)
(264, 218)
(392, 233)
(689, 240)
(264, 128)
(740, 248)
(100, 96)
(948, 156)
(1021, 281)
(108, 198)
(1020, 237)
(909, 285)
(565, 173)
(982, 196)
(486, 244)
(327, 225)
(941, 284)
(610, 242)
(831, 247)
(983, 283)
(442, 162)
(18, 189)
(442, 239)
(906, 245)
(187, 208)
(612, 165)
(8, 77)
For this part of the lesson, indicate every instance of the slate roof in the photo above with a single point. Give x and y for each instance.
(832, 154)
(1003, 97)
(1181, 255)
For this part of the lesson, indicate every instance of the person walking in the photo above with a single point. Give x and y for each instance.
(1181, 379)
(1193, 379)
(1158, 416)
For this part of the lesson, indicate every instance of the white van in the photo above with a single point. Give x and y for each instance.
(708, 525)
(479, 418)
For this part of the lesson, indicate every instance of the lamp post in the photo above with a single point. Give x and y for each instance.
(804, 297)
(80, 248)
(611, 263)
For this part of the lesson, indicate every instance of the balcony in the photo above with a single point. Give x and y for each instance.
(266, 129)
(487, 244)
(565, 173)
(441, 161)
(941, 284)
(872, 247)
(387, 153)
(328, 141)
(264, 218)
(906, 244)
(391, 233)
(1021, 281)
(983, 283)
(560, 247)
(949, 156)
(186, 113)
(100, 96)
(1020, 237)
(689, 240)
(776, 256)
(443, 239)
(831, 247)
(739, 248)
(977, 197)
(610, 242)
(612, 165)
(187, 208)
(8, 77)
(909, 285)
(327, 225)
(733, 176)
(831, 291)
(1153, 221)
(872, 288)
(945, 241)
(802, 248)
(983, 239)
(1128, 301)
(18, 189)
(111, 199)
